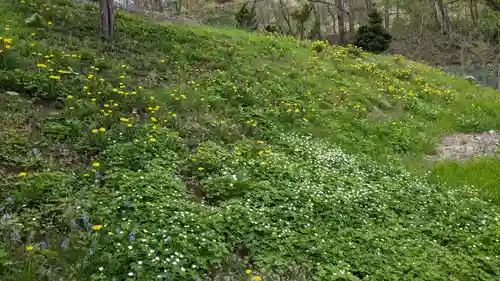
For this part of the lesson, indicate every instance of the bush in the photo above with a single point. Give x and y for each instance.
(373, 37)
(246, 17)
(319, 46)
(489, 25)
(272, 28)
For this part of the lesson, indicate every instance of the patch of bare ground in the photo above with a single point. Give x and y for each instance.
(465, 146)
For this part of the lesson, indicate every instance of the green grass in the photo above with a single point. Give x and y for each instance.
(481, 173)
(191, 153)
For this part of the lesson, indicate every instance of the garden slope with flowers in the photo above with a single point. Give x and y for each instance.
(190, 153)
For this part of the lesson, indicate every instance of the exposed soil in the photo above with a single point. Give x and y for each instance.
(463, 146)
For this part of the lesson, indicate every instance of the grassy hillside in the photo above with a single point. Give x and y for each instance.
(188, 153)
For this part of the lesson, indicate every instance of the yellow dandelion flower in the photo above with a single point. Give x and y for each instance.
(248, 271)
(41, 65)
(49, 23)
(55, 77)
(122, 76)
(94, 131)
(86, 175)
(102, 130)
(23, 174)
(115, 104)
(153, 119)
(97, 227)
(96, 164)
(69, 96)
(152, 140)
(29, 248)
(123, 119)
(93, 100)
(258, 278)
(129, 125)
(174, 115)
(201, 169)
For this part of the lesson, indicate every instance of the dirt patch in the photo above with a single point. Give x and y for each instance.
(463, 146)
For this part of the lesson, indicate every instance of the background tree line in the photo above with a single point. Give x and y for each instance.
(457, 32)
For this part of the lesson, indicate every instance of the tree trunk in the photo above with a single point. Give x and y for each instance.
(368, 6)
(340, 20)
(473, 11)
(334, 20)
(352, 18)
(286, 16)
(443, 18)
(318, 23)
(498, 74)
(386, 15)
(107, 29)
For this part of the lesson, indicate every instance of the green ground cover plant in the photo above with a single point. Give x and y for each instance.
(192, 153)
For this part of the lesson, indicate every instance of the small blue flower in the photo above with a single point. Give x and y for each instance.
(169, 238)
(118, 230)
(10, 199)
(127, 204)
(131, 236)
(65, 243)
(43, 245)
(16, 236)
(9, 217)
(85, 220)
(91, 251)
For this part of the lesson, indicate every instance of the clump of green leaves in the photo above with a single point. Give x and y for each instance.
(319, 46)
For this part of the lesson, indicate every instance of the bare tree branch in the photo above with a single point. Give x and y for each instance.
(332, 5)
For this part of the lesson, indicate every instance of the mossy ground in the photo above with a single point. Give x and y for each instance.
(190, 153)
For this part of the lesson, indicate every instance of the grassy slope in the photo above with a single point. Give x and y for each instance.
(190, 146)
